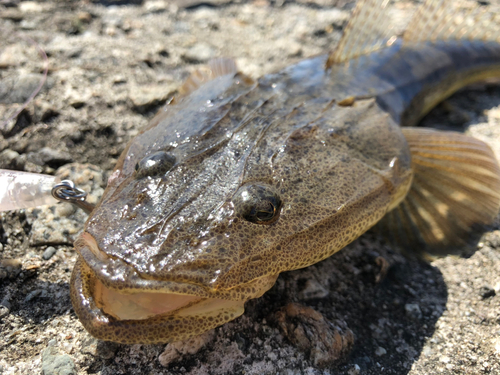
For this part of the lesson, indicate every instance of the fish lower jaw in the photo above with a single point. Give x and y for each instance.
(145, 305)
(145, 317)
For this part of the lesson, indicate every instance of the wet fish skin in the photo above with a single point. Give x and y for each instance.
(317, 151)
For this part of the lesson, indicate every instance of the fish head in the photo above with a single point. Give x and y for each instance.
(206, 207)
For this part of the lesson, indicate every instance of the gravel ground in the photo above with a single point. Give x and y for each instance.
(111, 65)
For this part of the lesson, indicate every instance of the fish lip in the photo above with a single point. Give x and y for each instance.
(116, 274)
(161, 328)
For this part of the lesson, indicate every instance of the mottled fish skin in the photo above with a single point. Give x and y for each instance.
(174, 219)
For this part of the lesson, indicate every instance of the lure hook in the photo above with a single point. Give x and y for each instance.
(66, 191)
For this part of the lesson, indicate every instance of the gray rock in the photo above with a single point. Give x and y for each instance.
(413, 311)
(18, 89)
(28, 25)
(5, 302)
(49, 156)
(54, 363)
(34, 294)
(49, 252)
(7, 158)
(4, 311)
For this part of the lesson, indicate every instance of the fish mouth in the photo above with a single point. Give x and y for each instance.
(150, 315)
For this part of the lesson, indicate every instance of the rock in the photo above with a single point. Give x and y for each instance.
(8, 158)
(28, 25)
(48, 112)
(322, 340)
(30, 7)
(145, 98)
(313, 289)
(9, 268)
(4, 311)
(155, 6)
(195, 3)
(54, 363)
(413, 311)
(18, 89)
(199, 53)
(11, 14)
(486, 292)
(49, 252)
(354, 370)
(50, 157)
(35, 294)
(176, 350)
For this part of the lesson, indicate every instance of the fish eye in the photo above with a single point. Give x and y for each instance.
(155, 164)
(257, 203)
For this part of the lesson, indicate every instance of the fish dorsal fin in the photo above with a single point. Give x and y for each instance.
(368, 30)
(216, 68)
(440, 20)
(454, 196)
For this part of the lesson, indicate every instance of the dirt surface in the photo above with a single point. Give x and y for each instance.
(112, 64)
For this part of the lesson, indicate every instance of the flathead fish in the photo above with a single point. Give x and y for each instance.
(237, 180)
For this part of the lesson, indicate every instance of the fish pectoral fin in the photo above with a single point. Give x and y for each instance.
(216, 68)
(454, 196)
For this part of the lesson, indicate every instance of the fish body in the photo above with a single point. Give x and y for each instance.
(238, 180)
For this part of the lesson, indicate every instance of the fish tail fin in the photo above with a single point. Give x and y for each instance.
(371, 28)
(454, 196)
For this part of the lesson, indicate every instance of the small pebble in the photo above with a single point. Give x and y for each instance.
(486, 292)
(49, 156)
(4, 311)
(444, 359)
(18, 89)
(10, 268)
(5, 302)
(49, 252)
(355, 370)
(35, 293)
(30, 6)
(144, 98)
(380, 351)
(413, 311)
(7, 158)
(313, 289)
(199, 53)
